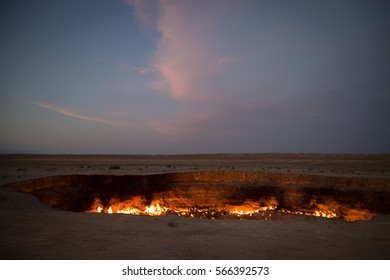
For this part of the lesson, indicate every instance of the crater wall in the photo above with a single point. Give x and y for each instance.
(210, 189)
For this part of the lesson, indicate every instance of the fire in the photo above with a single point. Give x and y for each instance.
(155, 210)
(327, 214)
(128, 210)
(317, 213)
(248, 209)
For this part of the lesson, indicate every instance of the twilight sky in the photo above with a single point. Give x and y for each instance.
(218, 76)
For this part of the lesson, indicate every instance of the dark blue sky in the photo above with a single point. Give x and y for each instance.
(100, 76)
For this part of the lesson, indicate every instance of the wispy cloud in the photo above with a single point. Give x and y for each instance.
(71, 113)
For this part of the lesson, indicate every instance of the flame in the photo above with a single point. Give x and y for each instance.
(128, 210)
(317, 213)
(251, 208)
(155, 210)
(248, 209)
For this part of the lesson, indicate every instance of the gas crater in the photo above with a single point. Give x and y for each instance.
(215, 195)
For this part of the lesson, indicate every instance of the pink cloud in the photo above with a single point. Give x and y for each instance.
(72, 114)
(185, 59)
(190, 65)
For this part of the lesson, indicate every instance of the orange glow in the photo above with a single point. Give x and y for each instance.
(358, 215)
(317, 213)
(248, 209)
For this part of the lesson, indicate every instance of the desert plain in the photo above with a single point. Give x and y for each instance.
(31, 229)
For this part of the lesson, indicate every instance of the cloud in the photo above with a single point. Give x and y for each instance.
(72, 114)
(186, 59)
(188, 64)
(245, 71)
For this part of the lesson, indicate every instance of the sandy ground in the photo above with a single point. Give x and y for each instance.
(21, 167)
(32, 230)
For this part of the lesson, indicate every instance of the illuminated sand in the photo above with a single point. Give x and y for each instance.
(33, 230)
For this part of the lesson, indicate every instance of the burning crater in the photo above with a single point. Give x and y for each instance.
(215, 194)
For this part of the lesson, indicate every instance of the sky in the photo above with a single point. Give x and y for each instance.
(181, 76)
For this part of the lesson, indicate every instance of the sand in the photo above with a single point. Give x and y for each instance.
(32, 230)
